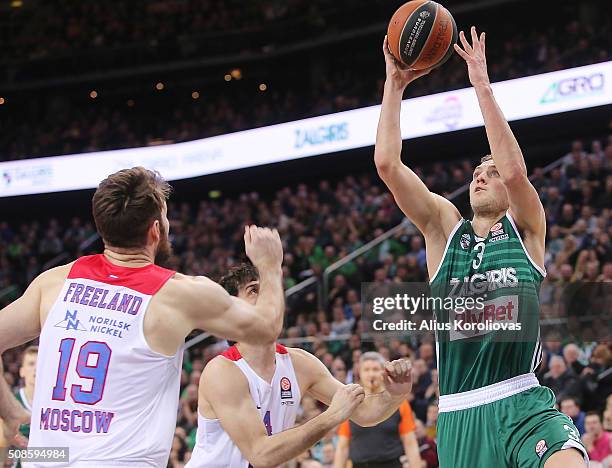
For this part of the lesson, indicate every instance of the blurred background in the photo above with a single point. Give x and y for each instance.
(79, 77)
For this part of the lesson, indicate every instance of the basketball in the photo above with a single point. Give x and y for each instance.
(421, 34)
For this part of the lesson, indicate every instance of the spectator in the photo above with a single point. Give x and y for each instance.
(571, 354)
(597, 377)
(595, 439)
(427, 446)
(570, 407)
(385, 443)
(560, 379)
(431, 423)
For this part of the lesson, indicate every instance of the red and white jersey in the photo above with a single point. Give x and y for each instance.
(100, 390)
(277, 403)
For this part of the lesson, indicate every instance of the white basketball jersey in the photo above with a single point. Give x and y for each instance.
(100, 390)
(277, 403)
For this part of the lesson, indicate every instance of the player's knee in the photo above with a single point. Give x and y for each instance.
(568, 458)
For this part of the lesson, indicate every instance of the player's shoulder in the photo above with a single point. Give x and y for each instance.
(53, 275)
(221, 375)
(442, 227)
(219, 368)
(303, 360)
(191, 288)
(299, 353)
(187, 283)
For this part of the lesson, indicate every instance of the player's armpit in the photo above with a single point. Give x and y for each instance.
(209, 307)
(426, 210)
(227, 392)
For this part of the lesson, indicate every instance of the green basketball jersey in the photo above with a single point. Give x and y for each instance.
(499, 339)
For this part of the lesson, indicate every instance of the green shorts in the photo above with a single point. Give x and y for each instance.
(519, 431)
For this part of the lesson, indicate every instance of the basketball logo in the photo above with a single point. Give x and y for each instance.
(496, 227)
(285, 385)
(541, 448)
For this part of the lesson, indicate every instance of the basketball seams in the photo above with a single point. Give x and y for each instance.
(429, 52)
(454, 35)
(401, 34)
(420, 39)
(431, 30)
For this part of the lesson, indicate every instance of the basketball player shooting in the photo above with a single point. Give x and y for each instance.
(112, 328)
(493, 412)
(249, 397)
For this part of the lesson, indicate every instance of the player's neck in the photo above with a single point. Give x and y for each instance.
(129, 257)
(261, 358)
(483, 222)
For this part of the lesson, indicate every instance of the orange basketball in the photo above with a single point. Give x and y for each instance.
(421, 34)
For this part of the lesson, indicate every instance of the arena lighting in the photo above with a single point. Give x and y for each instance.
(159, 86)
(522, 98)
(93, 94)
(263, 87)
(2, 101)
(195, 95)
(227, 77)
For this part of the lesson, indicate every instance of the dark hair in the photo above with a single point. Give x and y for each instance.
(125, 205)
(238, 276)
(593, 413)
(569, 398)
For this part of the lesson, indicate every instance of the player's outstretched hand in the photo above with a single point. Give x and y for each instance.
(9, 429)
(263, 246)
(398, 377)
(398, 74)
(475, 57)
(345, 401)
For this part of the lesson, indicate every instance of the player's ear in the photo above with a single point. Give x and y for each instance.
(155, 231)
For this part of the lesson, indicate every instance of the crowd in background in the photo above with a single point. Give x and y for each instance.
(132, 112)
(320, 224)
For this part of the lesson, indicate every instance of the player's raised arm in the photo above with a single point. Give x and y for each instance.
(226, 390)
(375, 408)
(525, 205)
(426, 210)
(211, 308)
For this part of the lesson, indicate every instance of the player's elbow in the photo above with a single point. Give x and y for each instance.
(259, 331)
(384, 165)
(514, 175)
(263, 459)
